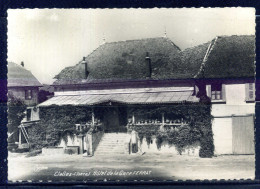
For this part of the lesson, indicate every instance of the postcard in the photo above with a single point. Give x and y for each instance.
(131, 94)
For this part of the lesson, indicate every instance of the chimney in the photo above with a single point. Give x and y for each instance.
(85, 67)
(22, 64)
(148, 66)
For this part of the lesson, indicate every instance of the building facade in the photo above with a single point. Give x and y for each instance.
(23, 85)
(228, 72)
(233, 124)
(120, 76)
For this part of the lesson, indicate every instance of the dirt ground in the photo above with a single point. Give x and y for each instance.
(129, 167)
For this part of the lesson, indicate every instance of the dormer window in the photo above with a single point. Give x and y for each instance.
(28, 94)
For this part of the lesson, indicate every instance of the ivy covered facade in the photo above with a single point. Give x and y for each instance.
(172, 114)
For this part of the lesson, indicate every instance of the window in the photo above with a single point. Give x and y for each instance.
(28, 94)
(250, 92)
(216, 92)
(28, 114)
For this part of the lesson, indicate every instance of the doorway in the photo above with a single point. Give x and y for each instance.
(115, 119)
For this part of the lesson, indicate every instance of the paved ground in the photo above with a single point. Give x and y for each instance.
(129, 167)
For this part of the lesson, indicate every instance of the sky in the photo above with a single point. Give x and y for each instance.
(48, 40)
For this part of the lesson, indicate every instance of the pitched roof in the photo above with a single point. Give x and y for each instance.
(223, 57)
(230, 57)
(18, 76)
(192, 58)
(125, 60)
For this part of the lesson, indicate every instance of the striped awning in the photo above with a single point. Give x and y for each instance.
(150, 97)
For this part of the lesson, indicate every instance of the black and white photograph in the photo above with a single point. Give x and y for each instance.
(131, 94)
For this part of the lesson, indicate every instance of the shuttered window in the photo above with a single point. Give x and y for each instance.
(216, 92)
(250, 92)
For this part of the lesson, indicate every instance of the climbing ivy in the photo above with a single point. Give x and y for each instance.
(56, 123)
(16, 109)
(199, 127)
(145, 131)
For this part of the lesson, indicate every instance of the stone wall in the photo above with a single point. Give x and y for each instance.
(96, 137)
(91, 141)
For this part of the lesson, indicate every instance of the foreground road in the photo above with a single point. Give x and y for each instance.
(129, 167)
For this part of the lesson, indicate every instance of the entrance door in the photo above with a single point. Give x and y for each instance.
(115, 119)
(243, 135)
(111, 119)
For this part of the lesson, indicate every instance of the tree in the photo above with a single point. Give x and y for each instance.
(45, 92)
(16, 109)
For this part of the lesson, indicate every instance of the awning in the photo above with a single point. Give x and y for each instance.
(154, 97)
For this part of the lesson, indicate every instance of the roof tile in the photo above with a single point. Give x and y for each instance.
(18, 76)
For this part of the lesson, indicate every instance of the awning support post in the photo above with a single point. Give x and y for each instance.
(133, 118)
(163, 118)
(93, 117)
(20, 137)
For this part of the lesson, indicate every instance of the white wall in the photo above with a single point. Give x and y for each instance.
(222, 135)
(235, 102)
(222, 123)
(35, 113)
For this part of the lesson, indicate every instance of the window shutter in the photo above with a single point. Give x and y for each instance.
(247, 91)
(208, 88)
(250, 91)
(251, 87)
(223, 90)
(254, 90)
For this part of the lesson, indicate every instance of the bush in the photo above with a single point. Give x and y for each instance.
(16, 108)
(55, 123)
(207, 147)
(183, 138)
(199, 129)
(145, 131)
(21, 150)
(161, 136)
